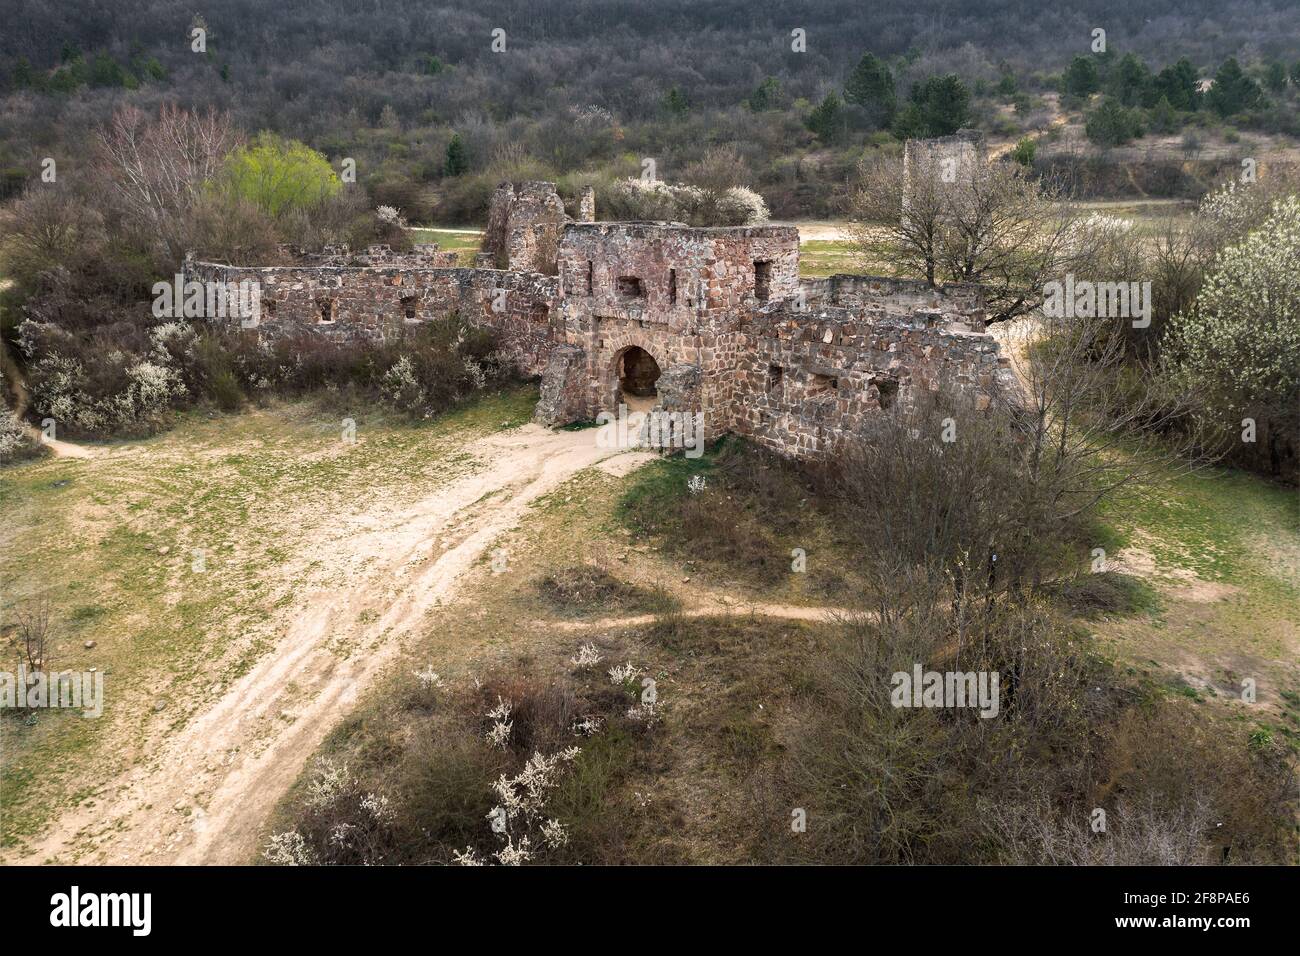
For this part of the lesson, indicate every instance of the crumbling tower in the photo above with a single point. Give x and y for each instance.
(523, 228)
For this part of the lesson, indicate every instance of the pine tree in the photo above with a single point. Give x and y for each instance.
(1111, 124)
(871, 86)
(767, 95)
(675, 103)
(944, 104)
(1080, 77)
(1233, 91)
(457, 162)
(827, 120)
(1180, 85)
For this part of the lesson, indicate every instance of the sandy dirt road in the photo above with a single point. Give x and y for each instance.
(206, 793)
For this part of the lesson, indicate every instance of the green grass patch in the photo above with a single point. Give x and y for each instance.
(464, 243)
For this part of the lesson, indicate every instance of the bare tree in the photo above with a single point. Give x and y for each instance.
(900, 218)
(33, 635)
(156, 169)
(983, 222)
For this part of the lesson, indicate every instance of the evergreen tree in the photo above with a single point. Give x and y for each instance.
(1128, 80)
(767, 95)
(1164, 118)
(1233, 91)
(871, 86)
(1080, 77)
(457, 162)
(1025, 152)
(944, 104)
(1111, 124)
(1180, 85)
(827, 120)
(24, 78)
(675, 103)
(1275, 76)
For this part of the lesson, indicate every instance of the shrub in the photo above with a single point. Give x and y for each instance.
(1238, 348)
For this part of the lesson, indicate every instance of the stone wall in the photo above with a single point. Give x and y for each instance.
(796, 365)
(347, 302)
(808, 379)
(952, 159)
(682, 294)
(523, 228)
(896, 297)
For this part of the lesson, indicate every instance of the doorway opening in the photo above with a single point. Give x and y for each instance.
(638, 374)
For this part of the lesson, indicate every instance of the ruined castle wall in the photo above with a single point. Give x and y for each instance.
(896, 297)
(675, 276)
(345, 303)
(806, 381)
(523, 227)
(682, 294)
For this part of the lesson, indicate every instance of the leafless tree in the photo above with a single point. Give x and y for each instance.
(33, 635)
(156, 168)
(984, 222)
(901, 219)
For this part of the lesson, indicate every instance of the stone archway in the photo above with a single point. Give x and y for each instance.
(636, 373)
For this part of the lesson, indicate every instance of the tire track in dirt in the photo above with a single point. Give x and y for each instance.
(208, 791)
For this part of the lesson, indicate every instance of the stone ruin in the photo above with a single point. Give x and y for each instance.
(713, 321)
(950, 159)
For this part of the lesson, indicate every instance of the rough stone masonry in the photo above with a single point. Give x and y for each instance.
(652, 314)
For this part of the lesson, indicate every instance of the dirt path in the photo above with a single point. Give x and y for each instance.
(205, 794)
(714, 607)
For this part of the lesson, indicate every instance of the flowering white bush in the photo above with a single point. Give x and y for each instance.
(523, 797)
(624, 674)
(646, 712)
(429, 679)
(1238, 348)
(498, 734)
(150, 390)
(288, 849)
(13, 438)
(655, 199)
(587, 656)
(587, 726)
(400, 387)
(388, 215)
(741, 206)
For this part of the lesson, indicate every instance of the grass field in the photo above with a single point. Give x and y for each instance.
(464, 242)
(1221, 548)
(172, 557)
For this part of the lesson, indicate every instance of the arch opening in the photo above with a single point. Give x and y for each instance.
(638, 375)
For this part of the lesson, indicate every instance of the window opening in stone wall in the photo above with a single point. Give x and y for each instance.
(408, 306)
(775, 374)
(629, 287)
(888, 389)
(672, 286)
(591, 277)
(762, 280)
(326, 311)
(822, 384)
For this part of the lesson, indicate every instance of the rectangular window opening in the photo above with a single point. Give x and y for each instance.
(672, 286)
(888, 389)
(762, 280)
(775, 374)
(629, 287)
(822, 384)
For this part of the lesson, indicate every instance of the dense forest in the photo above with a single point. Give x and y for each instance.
(594, 85)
